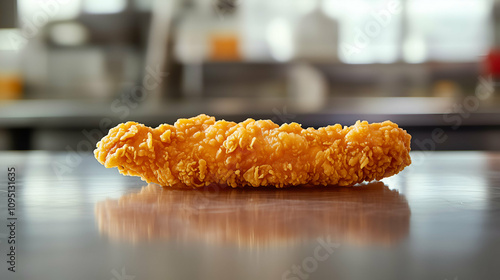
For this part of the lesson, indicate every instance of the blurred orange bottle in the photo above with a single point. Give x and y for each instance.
(10, 86)
(224, 46)
(224, 36)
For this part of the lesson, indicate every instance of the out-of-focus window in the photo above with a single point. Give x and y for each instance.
(370, 30)
(104, 7)
(38, 12)
(354, 32)
(447, 30)
(384, 31)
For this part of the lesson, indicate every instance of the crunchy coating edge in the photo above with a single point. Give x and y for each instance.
(200, 151)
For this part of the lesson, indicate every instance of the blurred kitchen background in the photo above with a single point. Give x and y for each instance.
(71, 69)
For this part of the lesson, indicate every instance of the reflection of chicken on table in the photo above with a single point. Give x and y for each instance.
(364, 214)
(199, 151)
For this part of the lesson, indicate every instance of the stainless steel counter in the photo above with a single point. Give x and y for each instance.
(438, 219)
(406, 111)
(63, 124)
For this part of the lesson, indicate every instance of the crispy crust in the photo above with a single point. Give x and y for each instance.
(199, 151)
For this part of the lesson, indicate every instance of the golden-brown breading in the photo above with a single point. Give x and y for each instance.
(199, 151)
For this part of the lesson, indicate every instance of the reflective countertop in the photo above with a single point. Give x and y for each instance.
(438, 219)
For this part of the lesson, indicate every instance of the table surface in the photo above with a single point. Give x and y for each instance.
(438, 219)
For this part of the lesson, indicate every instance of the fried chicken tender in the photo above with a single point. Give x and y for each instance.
(200, 151)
